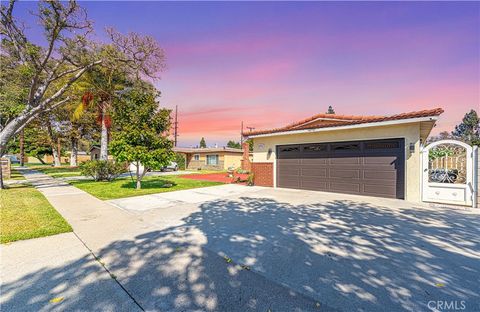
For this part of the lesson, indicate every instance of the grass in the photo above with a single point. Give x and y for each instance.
(25, 213)
(125, 187)
(57, 172)
(15, 175)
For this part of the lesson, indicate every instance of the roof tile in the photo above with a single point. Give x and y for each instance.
(344, 120)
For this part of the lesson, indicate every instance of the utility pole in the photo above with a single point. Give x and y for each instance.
(250, 128)
(175, 126)
(241, 135)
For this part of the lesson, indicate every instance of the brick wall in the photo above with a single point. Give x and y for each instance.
(246, 164)
(262, 174)
(5, 167)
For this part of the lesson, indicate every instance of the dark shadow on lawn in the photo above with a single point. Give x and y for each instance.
(150, 184)
(350, 255)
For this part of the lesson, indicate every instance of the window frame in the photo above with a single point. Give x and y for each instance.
(195, 157)
(217, 161)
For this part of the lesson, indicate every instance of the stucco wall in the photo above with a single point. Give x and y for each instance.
(410, 132)
(232, 160)
(225, 160)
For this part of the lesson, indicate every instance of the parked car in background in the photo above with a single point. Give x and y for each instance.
(13, 158)
(173, 166)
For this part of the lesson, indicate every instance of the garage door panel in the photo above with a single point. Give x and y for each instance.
(389, 175)
(345, 173)
(314, 172)
(379, 190)
(314, 161)
(348, 187)
(314, 184)
(346, 160)
(380, 160)
(374, 168)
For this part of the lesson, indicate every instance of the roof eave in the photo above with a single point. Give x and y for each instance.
(362, 125)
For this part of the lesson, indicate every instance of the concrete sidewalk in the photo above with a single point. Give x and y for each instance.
(60, 268)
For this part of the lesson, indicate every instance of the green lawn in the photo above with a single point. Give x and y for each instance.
(126, 188)
(25, 213)
(57, 172)
(15, 175)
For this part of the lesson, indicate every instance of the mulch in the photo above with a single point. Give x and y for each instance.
(218, 177)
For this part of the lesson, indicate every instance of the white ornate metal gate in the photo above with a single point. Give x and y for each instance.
(448, 173)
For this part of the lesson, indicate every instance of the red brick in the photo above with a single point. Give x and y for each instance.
(262, 174)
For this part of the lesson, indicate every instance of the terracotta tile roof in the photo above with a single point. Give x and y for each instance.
(332, 120)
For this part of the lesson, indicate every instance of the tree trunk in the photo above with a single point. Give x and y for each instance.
(22, 148)
(104, 138)
(56, 157)
(139, 179)
(74, 152)
(1, 177)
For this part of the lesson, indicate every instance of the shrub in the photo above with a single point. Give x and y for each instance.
(180, 160)
(250, 179)
(102, 170)
(241, 171)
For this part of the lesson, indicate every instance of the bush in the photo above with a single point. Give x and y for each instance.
(102, 170)
(242, 171)
(180, 160)
(250, 179)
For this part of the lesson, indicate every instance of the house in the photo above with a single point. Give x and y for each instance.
(362, 155)
(94, 152)
(215, 158)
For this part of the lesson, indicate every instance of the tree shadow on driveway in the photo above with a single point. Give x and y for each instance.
(260, 254)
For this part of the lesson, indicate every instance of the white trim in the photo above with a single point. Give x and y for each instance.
(364, 125)
(469, 187)
(475, 176)
(196, 155)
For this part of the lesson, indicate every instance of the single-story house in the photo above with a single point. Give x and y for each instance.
(215, 158)
(362, 155)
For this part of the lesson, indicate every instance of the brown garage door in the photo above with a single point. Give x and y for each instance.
(373, 168)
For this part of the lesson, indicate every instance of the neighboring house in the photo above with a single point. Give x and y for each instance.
(215, 158)
(363, 155)
(94, 152)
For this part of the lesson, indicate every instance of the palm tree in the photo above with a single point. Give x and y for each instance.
(101, 86)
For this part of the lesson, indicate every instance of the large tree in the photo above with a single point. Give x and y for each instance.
(203, 144)
(469, 129)
(141, 135)
(52, 70)
(233, 144)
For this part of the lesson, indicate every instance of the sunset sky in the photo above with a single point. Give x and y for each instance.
(269, 64)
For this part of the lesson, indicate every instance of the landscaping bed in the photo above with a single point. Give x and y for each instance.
(25, 213)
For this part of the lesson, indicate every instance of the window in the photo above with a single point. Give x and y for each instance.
(212, 160)
(382, 145)
(346, 147)
(196, 157)
(315, 148)
(289, 149)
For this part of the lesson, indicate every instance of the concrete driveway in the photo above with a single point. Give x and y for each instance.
(237, 248)
(343, 252)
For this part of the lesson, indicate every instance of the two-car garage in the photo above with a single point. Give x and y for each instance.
(372, 168)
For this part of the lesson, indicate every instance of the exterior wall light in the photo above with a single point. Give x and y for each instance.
(412, 148)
